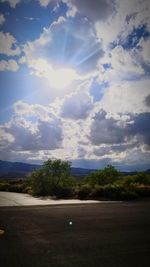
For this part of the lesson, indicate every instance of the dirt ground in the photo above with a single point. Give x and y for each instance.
(100, 235)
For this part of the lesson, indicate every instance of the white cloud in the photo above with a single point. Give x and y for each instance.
(126, 97)
(123, 65)
(5, 138)
(129, 15)
(77, 105)
(22, 60)
(145, 52)
(41, 112)
(10, 65)
(32, 128)
(74, 50)
(31, 49)
(8, 45)
(12, 3)
(71, 11)
(2, 19)
(57, 77)
(31, 18)
(44, 3)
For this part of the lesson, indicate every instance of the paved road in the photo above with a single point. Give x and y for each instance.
(101, 235)
(16, 199)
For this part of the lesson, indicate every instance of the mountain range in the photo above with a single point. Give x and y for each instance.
(10, 170)
(20, 169)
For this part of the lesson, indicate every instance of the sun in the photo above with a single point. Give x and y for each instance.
(62, 77)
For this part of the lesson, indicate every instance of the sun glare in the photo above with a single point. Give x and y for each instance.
(61, 78)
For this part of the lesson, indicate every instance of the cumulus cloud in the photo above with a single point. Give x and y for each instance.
(108, 129)
(38, 111)
(8, 45)
(74, 51)
(122, 65)
(126, 97)
(10, 65)
(29, 136)
(147, 101)
(78, 104)
(114, 150)
(145, 51)
(12, 3)
(93, 10)
(44, 3)
(32, 128)
(140, 127)
(129, 16)
(2, 19)
(5, 138)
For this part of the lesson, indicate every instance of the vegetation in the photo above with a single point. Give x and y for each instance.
(54, 179)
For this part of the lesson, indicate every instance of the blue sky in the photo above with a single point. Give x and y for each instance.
(75, 82)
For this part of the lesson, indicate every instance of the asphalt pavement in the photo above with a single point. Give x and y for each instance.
(91, 235)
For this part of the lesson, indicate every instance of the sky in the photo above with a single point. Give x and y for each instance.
(75, 82)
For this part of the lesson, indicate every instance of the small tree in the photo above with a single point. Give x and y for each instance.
(108, 175)
(53, 178)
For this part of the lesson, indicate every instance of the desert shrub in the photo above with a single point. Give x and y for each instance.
(84, 191)
(142, 178)
(4, 186)
(136, 179)
(18, 188)
(112, 192)
(27, 190)
(143, 190)
(64, 192)
(97, 192)
(40, 184)
(53, 179)
(128, 195)
(108, 175)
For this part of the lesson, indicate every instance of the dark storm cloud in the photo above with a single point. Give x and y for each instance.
(106, 130)
(140, 127)
(147, 101)
(95, 9)
(113, 149)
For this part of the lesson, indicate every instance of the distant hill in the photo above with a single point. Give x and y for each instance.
(16, 169)
(20, 170)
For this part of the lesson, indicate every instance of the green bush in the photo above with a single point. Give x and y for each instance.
(53, 179)
(18, 188)
(128, 195)
(97, 192)
(84, 191)
(136, 179)
(64, 192)
(108, 175)
(112, 192)
(40, 184)
(4, 186)
(143, 190)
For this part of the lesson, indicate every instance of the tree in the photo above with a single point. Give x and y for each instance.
(53, 178)
(108, 175)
